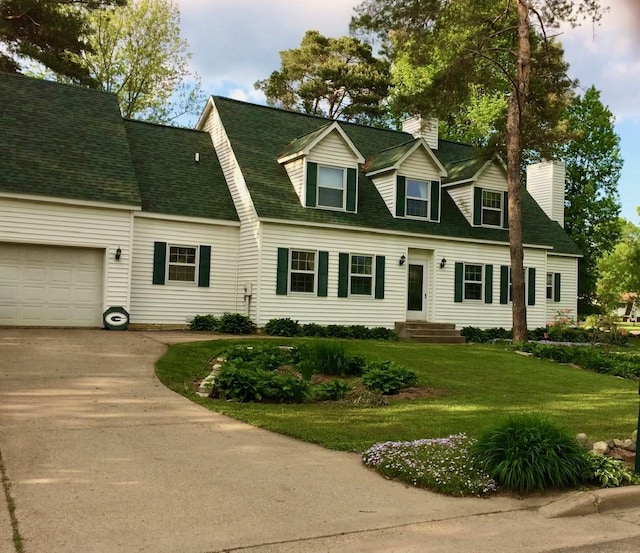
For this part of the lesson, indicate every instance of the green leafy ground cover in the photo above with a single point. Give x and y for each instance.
(478, 386)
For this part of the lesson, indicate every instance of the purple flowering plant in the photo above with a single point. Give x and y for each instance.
(445, 465)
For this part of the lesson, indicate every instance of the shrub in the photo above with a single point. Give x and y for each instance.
(382, 333)
(528, 453)
(387, 377)
(473, 334)
(338, 331)
(356, 365)
(282, 327)
(268, 358)
(286, 388)
(329, 358)
(606, 472)
(203, 322)
(235, 323)
(332, 390)
(314, 330)
(241, 383)
(442, 464)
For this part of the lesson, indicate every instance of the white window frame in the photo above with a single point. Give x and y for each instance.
(426, 200)
(302, 271)
(550, 287)
(195, 265)
(371, 276)
(494, 209)
(465, 281)
(344, 187)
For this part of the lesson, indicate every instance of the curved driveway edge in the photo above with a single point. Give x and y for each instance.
(103, 458)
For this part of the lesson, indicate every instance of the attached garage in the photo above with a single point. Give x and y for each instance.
(50, 285)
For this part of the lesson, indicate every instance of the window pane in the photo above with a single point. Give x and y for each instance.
(416, 189)
(361, 285)
(491, 217)
(472, 291)
(182, 273)
(473, 272)
(491, 199)
(329, 177)
(417, 208)
(302, 282)
(330, 197)
(182, 255)
(361, 264)
(302, 261)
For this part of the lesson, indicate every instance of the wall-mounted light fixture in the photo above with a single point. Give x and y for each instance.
(443, 262)
(403, 258)
(118, 253)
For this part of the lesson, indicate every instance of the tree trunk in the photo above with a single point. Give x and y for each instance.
(514, 158)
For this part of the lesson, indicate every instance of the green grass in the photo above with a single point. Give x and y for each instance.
(480, 386)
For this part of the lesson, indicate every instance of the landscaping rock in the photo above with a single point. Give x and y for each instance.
(617, 443)
(583, 440)
(634, 437)
(629, 445)
(602, 448)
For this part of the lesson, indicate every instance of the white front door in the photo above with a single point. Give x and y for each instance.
(417, 276)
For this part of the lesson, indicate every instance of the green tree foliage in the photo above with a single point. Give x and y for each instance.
(137, 53)
(592, 206)
(618, 270)
(338, 78)
(48, 32)
(458, 46)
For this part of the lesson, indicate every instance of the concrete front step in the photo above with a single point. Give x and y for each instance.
(434, 333)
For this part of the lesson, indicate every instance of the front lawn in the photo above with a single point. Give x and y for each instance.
(479, 386)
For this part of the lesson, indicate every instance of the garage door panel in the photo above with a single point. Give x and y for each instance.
(50, 286)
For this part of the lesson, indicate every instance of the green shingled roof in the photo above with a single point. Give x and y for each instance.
(63, 141)
(300, 143)
(260, 134)
(389, 157)
(170, 180)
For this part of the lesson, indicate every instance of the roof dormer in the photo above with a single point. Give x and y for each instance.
(408, 179)
(323, 168)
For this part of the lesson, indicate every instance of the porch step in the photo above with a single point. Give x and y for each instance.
(432, 333)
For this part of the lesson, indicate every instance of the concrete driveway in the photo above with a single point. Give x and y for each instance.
(102, 458)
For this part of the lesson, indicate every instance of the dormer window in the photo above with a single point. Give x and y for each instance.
(331, 187)
(490, 208)
(417, 199)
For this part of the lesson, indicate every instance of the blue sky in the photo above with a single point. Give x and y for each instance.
(236, 42)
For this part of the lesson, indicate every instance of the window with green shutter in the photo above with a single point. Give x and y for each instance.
(181, 264)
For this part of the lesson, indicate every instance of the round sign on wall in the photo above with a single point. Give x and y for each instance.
(116, 318)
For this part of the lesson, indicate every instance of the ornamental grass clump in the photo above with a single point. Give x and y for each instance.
(445, 465)
(528, 453)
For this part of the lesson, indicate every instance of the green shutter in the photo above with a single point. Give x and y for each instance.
(401, 191)
(282, 272)
(477, 205)
(312, 184)
(488, 284)
(159, 262)
(204, 267)
(435, 200)
(323, 273)
(504, 284)
(343, 275)
(556, 286)
(352, 189)
(505, 201)
(458, 282)
(531, 292)
(379, 277)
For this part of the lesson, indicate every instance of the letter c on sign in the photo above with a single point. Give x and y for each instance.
(116, 318)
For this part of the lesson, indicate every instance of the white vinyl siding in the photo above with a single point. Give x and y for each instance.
(568, 269)
(385, 183)
(249, 236)
(493, 177)
(420, 166)
(332, 150)
(295, 170)
(39, 222)
(177, 302)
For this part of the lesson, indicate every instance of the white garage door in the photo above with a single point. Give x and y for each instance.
(50, 285)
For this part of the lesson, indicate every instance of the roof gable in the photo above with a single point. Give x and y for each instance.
(393, 158)
(303, 145)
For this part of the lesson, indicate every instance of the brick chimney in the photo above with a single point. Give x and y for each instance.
(423, 128)
(545, 182)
